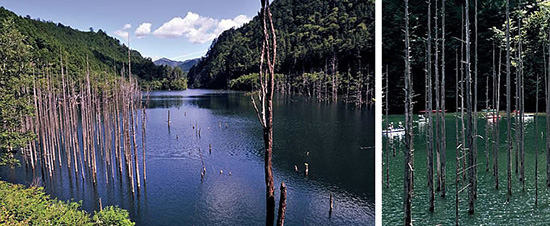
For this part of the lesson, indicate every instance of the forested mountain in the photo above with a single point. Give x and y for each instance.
(491, 26)
(50, 41)
(183, 65)
(316, 40)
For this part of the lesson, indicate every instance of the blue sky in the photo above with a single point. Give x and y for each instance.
(173, 29)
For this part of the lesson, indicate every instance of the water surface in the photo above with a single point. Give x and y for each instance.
(338, 137)
(491, 207)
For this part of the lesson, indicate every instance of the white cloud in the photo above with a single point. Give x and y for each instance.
(143, 30)
(122, 33)
(127, 26)
(198, 29)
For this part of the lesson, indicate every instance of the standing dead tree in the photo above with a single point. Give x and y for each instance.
(497, 108)
(265, 115)
(429, 134)
(408, 169)
(508, 102)
(469, 128)
(442, 176)
(536, 141)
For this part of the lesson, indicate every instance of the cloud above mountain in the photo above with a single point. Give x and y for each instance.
(198, 29)
(122, 32)
(143, 30)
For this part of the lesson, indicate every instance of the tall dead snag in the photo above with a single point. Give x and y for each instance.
(437, 106)
(522, 117)
(265, 96)
(442, 176)
(387, 129)
(408, 169)
(469, 116)
(458, 146)
(429, 141)
(474, 144)
(508, 103)
(536, 142)
(497, 126)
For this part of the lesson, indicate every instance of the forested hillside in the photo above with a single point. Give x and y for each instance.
(320, 43)
(50, 41)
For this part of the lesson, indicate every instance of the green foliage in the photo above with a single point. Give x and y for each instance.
(309, 34)
(15, 77)
(31, 206)
(112, 216)
(245, 82)
(179, 84)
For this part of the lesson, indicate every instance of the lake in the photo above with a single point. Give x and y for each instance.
(339, 138)
(491, 207)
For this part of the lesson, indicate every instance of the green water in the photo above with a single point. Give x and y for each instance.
(491, 207)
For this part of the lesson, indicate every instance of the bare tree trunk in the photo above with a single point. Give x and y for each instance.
(408, 168)
(265, 96)
(443, 129)
(522, 107)
(429, 141)
(497, 126)
(437, 106)
(469, 128)
(458, 146)
(387, 128)
(536, 142)
(474, 144)
(282, 206)
(508, 102)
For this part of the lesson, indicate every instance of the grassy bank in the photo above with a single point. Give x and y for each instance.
(31, 206)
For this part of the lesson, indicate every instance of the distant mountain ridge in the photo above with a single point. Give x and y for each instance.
(184, 65)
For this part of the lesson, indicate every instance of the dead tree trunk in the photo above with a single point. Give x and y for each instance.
(429, 141)
(508, 102)
(497, 126)
(469, 128)
(536, 142)
(282, 206)
(387, 128)
(474, 144)
(443, 129)
(265, 96)
(408, 168)
(437, 106)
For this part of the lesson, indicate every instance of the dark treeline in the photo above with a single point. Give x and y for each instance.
(491, 27)
(324, 48)
(103, 52)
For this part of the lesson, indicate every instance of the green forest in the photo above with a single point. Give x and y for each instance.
(490, 30)
(323, 45)
(49, 41)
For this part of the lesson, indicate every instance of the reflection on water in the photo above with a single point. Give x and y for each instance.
(336, 140)
(491, 207)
